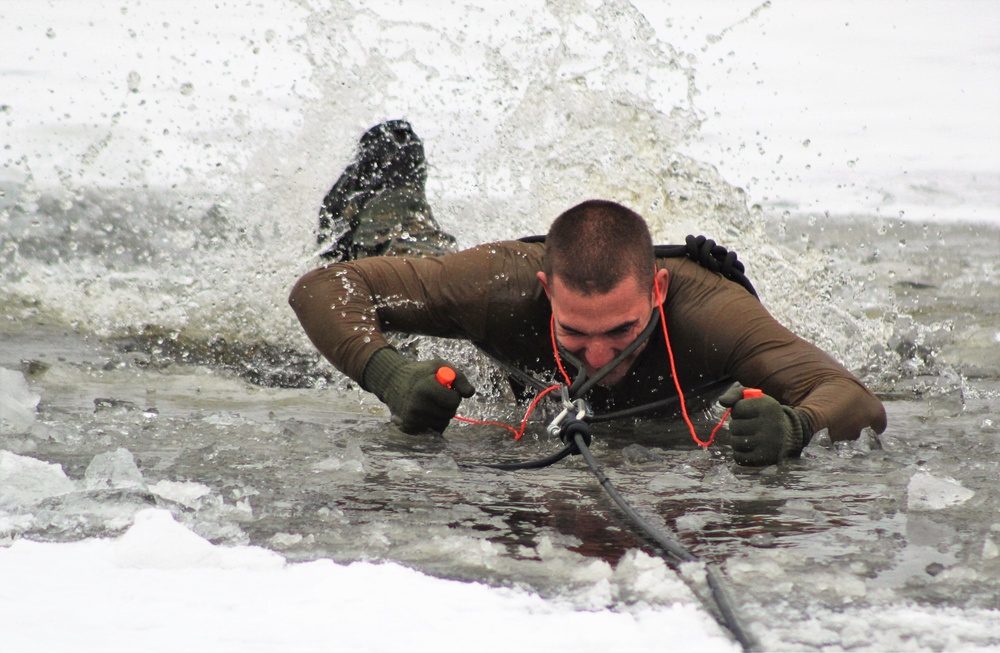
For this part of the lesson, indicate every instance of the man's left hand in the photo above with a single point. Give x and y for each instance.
(762, 431)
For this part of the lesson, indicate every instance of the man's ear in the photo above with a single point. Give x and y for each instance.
(545, 284)
(661, 281)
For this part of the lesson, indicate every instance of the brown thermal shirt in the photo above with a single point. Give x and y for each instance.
(491, 296)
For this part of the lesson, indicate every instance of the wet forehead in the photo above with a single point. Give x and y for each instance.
(599, 313)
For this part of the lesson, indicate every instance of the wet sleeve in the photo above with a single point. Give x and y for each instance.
(347, 308)
(737, 336)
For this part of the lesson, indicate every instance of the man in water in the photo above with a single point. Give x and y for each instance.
(594, 286)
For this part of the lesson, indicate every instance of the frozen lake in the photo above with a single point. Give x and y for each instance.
(178, 468)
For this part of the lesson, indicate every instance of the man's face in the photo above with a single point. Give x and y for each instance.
(596, 328)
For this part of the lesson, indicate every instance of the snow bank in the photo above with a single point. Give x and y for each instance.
(160, 587)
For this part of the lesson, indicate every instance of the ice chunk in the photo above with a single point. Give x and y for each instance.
(227, 419)
(25, 481)
(348, 461)
(800, 508)
(763, 540)
(866, 442)
(928, 492)
(186, 494)
(720, 476)
(114, 470)
(990, 549)
(820, 446)
(397, 469)
(18, 403)
(12, 525)
(636, 454)
(285, 540)
(116, 406)
(668, 481)
(441, 465)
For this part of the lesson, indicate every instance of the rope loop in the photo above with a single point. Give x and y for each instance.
(716, 258)
(712, 256)
(571, 428)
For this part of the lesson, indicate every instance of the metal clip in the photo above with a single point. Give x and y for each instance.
(583, 411)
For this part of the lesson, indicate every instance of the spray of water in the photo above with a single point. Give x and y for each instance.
(200, 237)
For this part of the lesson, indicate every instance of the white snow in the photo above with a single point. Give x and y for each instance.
(160, 587)
(848, 107)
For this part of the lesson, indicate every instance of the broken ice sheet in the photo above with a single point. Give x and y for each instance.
(928, 492)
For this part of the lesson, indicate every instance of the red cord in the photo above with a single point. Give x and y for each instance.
(677, 383)
(518, 433)
(555, 349)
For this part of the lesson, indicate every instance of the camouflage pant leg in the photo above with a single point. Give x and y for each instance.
(399, 222)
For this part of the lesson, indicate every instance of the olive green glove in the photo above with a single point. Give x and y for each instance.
(762, 431)
(417, 400)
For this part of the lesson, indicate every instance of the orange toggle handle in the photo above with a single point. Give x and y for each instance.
(752, 393)
(446, 377)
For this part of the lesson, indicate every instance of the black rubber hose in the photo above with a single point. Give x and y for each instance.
(674, 548)
(531, 464)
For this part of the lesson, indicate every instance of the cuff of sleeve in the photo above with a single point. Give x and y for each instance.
(380, 370)
(801, 433)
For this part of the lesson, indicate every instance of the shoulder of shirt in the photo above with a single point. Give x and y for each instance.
(512, 249)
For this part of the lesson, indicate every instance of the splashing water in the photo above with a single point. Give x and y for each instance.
(201, 232)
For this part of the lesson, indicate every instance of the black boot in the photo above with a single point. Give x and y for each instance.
(389, 167)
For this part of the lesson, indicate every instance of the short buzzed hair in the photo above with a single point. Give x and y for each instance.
(596, 245)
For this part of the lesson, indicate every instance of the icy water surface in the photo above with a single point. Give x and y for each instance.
(906, 518)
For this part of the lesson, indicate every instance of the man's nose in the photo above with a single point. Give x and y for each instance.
(599, 354)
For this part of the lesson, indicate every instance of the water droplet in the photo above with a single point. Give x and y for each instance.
(133, 80)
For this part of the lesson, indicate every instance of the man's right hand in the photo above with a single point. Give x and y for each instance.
(411, 390)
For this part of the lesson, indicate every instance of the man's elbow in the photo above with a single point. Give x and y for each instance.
(302, 291)
(878, 420)
(867, 413)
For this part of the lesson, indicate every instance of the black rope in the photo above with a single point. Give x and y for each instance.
(661, 404)
(531, 464)
(711, 256)
(673, 547)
